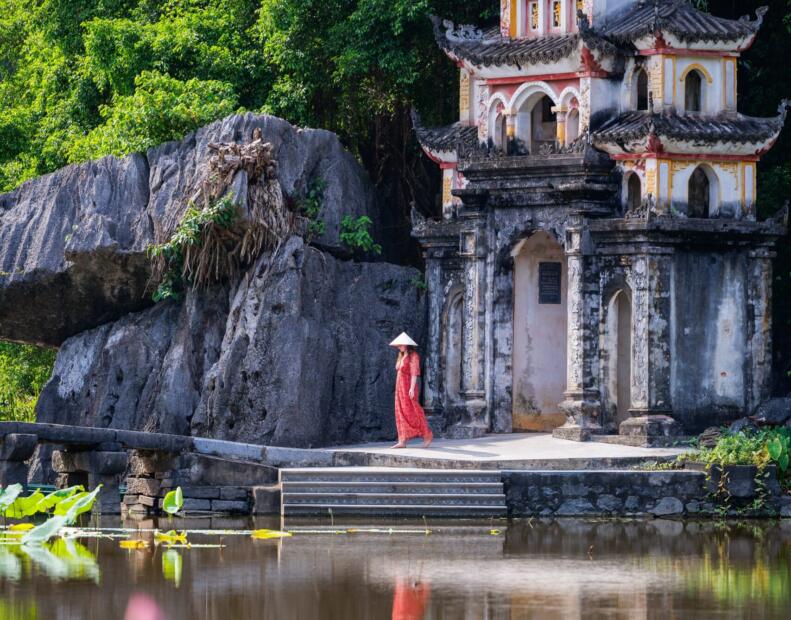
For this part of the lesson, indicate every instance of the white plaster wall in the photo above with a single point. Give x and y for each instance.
(603, 96)
(608, 8)
(712, 93)
(728, 189)
(539, 355)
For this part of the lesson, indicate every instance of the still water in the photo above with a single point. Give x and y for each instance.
(537, 569)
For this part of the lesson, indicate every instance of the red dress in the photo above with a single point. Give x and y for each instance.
(410, 418)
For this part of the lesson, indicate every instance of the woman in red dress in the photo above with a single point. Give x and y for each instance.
(410, 418)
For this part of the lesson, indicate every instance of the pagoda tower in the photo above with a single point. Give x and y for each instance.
(598, 266)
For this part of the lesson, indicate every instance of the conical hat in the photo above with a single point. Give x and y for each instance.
(403, 339)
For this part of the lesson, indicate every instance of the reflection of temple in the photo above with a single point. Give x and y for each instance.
(598, 260)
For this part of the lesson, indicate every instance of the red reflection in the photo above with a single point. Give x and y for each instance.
(143, 607)
(410, 599)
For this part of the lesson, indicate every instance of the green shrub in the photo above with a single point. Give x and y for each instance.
(355, 234)
(24, 369)
(311, 205)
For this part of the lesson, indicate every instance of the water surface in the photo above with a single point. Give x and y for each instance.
(529, 569)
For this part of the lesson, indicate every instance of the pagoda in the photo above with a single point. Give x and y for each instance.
(598, 267)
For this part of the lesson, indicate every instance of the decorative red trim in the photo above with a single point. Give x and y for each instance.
(545, 77)
(682, 156)
(589, 62)
(446, 165)
(655, 144)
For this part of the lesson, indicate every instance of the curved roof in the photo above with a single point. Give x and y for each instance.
(735, 128)
(447, 138)
(490, 48)
(681, 19)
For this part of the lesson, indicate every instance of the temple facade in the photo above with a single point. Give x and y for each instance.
(598, 267)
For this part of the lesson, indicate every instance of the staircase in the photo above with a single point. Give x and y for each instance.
(385, 492)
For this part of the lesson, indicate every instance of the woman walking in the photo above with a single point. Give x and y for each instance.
(410, 418)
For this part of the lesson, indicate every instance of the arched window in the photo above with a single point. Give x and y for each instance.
(693, 85)
(642, 90)
(634, 194)
(699, 194)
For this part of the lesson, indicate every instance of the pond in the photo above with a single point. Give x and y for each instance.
(524, 569)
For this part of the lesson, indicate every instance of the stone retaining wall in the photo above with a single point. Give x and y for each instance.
(607, 493)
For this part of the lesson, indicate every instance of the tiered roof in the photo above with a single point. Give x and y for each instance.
(447, 138)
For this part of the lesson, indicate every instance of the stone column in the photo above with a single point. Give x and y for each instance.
(759, 328)
(99, 467)
(15, 449)
(581, 405)
(650, 281)
(431, 380)
(561, 114)
(472, 250)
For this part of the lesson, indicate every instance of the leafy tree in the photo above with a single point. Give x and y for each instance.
(24, 370)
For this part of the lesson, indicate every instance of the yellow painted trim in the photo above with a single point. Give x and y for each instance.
(724, 71)
(699, 67)
(742, 182)
(674, 81)
(670, 174)
(512, 26)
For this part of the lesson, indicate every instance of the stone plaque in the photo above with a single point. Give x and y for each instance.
(549, 278)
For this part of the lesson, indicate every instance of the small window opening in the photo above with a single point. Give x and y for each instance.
(692, 92)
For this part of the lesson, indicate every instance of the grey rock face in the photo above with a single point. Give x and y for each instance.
(775, 411)
(295, 355)
(72, 243)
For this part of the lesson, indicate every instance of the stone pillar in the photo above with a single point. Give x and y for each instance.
(650, 281)
(581, 405)
(432, 383)
(510, 132)
(472, 250)
(98, 467)
(561, 114)
(759, 328)
(15, 449)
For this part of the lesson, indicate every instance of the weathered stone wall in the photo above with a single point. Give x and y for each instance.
(606, 493)
(295, 355)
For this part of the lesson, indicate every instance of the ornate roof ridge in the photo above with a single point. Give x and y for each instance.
(490, 47)
(446, 137)
(722, 127)
(681, 19)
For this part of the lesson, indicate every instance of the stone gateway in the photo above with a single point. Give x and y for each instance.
(598, 267)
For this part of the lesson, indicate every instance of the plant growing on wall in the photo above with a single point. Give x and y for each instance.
(311, 206)
(356, 236)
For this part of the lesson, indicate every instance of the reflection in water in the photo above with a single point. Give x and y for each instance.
(555, 569)
(410, 599)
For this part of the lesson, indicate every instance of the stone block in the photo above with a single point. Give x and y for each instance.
(214, 471)
(234, 493)
(235, 506)
(571, 433)
(574, 507)
(130, 500)
(193, 505)
(229, 449)
(146, 500)
(145, 463)
(65, 480)
(667, 506)
(266, 499)
(17, 446)
(650, 426)
(143, 486)
(296, 457)
(63, 462)
(196, 492)
(609, 503)
(104, 463)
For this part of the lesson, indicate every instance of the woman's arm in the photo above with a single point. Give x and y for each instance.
(412, 385)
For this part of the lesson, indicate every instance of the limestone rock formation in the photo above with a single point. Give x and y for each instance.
(72, 243)
(295, 355)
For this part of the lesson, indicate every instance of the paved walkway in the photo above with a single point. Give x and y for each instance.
(538, 447)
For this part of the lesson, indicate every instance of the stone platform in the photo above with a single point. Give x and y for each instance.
(528, 451)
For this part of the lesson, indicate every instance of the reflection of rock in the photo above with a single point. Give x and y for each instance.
(72, 243)
(297, 356)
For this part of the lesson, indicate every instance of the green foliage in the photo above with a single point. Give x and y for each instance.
(189, 234)
(420, 283)
(161, 109)
(311, 205)
(24, 369)
(173, 501)
(761, 448)
(355, 235)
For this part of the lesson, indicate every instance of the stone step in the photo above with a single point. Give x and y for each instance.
(400, 499)
(387, 475)
(426, 488)
(370, 491)
(394, 510)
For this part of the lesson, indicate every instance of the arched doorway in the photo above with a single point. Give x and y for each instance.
(701, 193)
(634, 192)
(540, 326)
(536, 123)
(618, 345)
